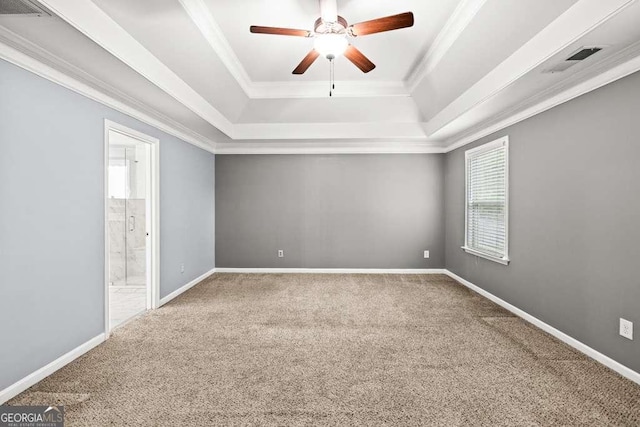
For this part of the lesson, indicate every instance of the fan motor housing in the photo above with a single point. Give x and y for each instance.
(338, 27)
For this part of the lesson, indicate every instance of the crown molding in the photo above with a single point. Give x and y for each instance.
(283, 138)
(202, 17)
(89, 19)
(453, 28)
(330, 147)
(26, 55)
(333, 131)
(32, 58)
(583, 17)
(624, 63)
(204, 20)
(319, 89)
(368, 137)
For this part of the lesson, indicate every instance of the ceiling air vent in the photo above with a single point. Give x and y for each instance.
(22, 8)
(582, 54)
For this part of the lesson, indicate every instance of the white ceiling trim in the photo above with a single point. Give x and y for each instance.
(333, 147)
(344, 89)
(145, 112)
(346, 137)
(22, 52)
(206, 23)
(581, 18)
(628, 67)
(36, 60)
(302, 131)
(202, 17)
(98, 26)
(459, 20)
(54, 68)
(17, 54)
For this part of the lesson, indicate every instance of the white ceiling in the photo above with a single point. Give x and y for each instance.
(56, 43)
(165, 29)
(464, 68)
(479, 50)
(269, 58)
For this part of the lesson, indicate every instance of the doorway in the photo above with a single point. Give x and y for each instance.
(131, 224)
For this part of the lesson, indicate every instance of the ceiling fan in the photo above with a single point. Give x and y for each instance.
(331, 33)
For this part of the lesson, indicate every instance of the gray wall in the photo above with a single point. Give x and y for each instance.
(574, 212)
(329, 211)
(52, 218)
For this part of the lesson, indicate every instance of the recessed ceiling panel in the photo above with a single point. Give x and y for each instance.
(620, 39)
(498, 30)
(74, 49)
(167, 31)
(272, 58)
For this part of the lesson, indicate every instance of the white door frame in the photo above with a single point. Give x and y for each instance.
(153, 270)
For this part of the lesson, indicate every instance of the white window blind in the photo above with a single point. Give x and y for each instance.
(487, 193)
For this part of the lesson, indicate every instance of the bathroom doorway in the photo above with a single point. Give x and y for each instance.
(131, 218)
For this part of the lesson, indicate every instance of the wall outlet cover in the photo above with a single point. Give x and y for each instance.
(181, 268)
(280, 253)
(626, 328)
(426, 254)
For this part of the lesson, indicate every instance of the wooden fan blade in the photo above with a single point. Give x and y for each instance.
(306, 62)
(358, 59)
(380, 25)
(279, 31)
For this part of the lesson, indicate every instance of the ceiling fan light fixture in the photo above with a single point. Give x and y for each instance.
(330, 32)
(330, 45)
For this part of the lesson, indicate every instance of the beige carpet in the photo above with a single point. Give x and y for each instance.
(335, 349)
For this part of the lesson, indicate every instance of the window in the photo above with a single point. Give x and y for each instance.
(486, 208)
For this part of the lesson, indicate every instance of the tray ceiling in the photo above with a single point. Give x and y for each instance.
(463, 68)
(272, 58)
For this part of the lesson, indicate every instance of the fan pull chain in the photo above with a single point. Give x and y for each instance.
(331, 85)
(332, 76)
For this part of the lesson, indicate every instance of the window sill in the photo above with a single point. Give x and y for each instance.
(503, 261)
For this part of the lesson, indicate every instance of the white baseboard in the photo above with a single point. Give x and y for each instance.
(31, 379)
(23, 384)
(186, 287)
(583, 348)
(335, 270)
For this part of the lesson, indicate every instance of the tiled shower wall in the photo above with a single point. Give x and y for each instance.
(127, 248)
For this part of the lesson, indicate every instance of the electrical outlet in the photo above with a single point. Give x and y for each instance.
(426, 254)
(280, 253)
(626, 328)
(182, 268)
